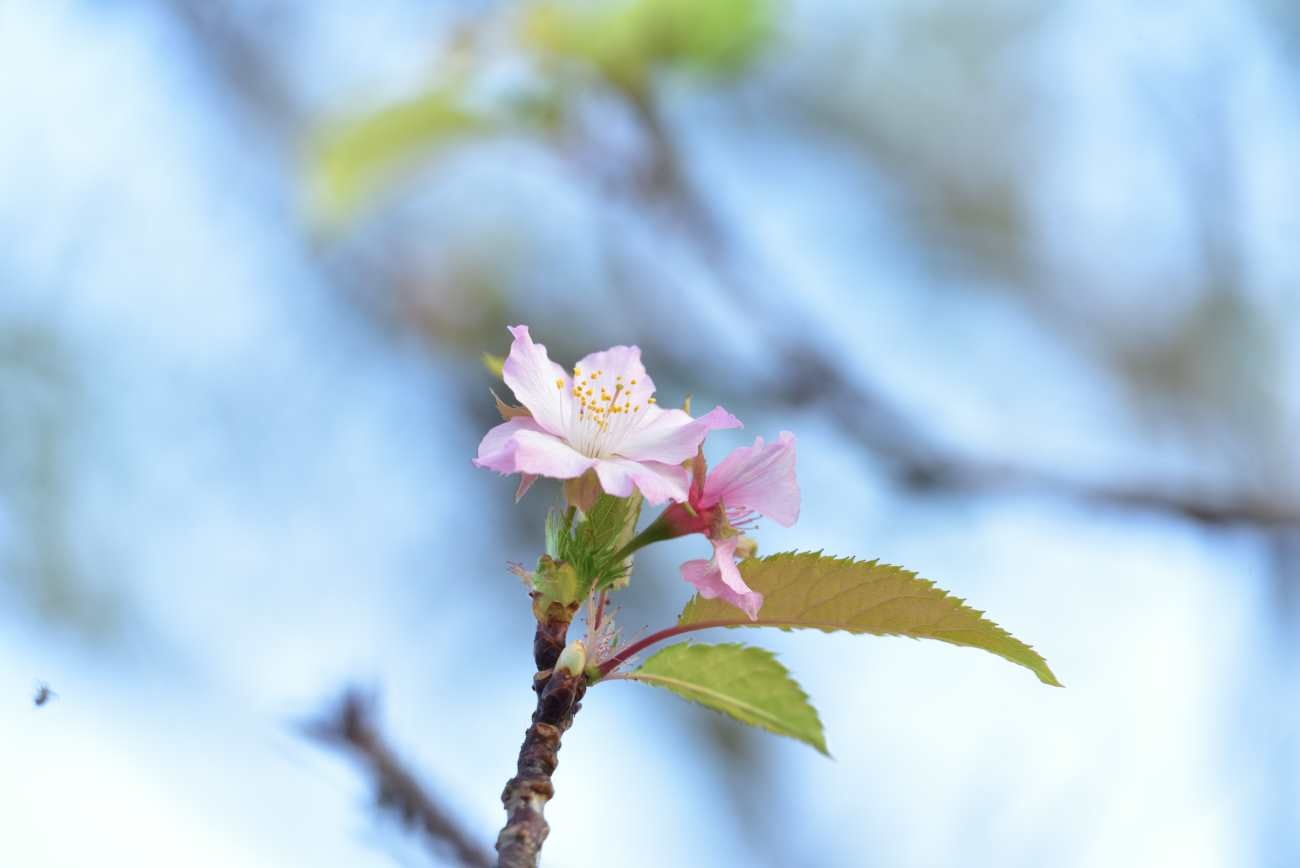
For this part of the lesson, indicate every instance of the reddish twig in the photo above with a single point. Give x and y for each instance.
(667, 633)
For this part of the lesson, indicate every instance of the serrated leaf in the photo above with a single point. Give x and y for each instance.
(744, 682)
(809, 590)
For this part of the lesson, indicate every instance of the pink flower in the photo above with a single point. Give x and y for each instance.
(752, 479)
(603, 418)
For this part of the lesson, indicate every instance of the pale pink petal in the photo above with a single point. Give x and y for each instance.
(759, 477)
(538, 383)
(670, 436)
(521, 446)
(658, 482)
(612, 383)
(496, 451)
(719, 578)
(543, 454)
(618, 366)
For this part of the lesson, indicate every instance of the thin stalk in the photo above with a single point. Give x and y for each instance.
(641, 644)
(656, 531)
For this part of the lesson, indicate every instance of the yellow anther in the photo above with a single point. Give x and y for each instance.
(559, 383)
(633, 382)
(651, 400)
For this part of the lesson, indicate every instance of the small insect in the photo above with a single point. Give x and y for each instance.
(43, 694)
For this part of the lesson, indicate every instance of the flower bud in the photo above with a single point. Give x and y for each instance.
(573, 659)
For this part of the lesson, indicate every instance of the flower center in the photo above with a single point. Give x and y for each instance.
(605, 409)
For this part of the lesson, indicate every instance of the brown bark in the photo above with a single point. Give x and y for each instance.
(559, 696)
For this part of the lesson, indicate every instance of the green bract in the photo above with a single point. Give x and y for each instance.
(589, 542)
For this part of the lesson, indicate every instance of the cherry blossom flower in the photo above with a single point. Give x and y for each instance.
(758, 479)
(601, 417)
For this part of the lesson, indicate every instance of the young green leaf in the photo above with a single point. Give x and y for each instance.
(496, 366)
(809, 590)
(621, 573)
(587, 542)
(355, 157)
(742, 681)
(626, 40)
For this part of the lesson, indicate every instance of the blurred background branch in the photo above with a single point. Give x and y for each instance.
(352, 726)
(808, 376)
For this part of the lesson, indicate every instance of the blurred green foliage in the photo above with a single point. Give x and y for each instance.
(42, 403)
(626, 42)
(351, 159)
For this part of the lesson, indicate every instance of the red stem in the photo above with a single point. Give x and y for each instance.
(641, 644)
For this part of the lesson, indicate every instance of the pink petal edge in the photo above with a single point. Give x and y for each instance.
(657, 481)
(672, 436)
(521, 446)
(719, 578)
(759, 477)
(532, 376)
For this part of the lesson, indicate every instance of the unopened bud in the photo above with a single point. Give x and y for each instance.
(573, 659)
